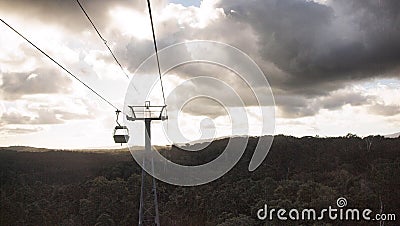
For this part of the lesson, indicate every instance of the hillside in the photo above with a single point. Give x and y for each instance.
(53, 187)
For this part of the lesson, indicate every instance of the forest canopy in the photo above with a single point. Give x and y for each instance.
(59, 187)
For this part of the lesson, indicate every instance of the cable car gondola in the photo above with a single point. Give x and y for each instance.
(121, 133)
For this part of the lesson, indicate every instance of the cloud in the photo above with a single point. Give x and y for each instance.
(42, 115)
(14, 118)
(310, 52)
(318, 44)
(385, 110)
(42, 118)
(294, 107)
(67, 13)
(291, 106)
(339, 99)
(39, 81)
(17, 131)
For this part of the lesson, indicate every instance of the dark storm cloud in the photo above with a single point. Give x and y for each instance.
(336, 101)
(317, 49)
(307, 50)
(318, 44)
(39, 81)
(171, 31)
(295, 106)
(201, 107)
(298, 106)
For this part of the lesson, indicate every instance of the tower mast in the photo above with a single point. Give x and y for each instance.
(148, 210)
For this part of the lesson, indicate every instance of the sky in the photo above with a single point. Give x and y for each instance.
(333, 65)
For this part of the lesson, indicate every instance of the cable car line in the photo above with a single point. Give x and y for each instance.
(118, 138)
(155, 48)
(61, 66)
(101, 37)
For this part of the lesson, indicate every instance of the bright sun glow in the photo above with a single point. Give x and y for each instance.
(131, 23)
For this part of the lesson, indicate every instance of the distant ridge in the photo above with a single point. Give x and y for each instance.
(394, 135)
(18, 148)
(21, 148)
(35, 149)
